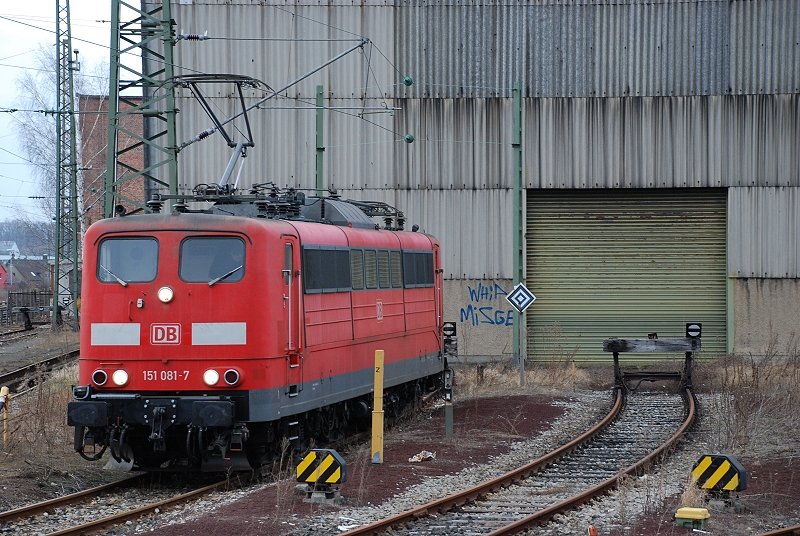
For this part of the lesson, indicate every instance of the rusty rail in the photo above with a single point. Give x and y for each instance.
(465, 496)
(72, 498)
(608, 484)
(138, 512)
(98, 524)
(462, 497)
(786, 531)
(13, 378)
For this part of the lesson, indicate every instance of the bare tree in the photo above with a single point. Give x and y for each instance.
(32, 237)
(36, 126)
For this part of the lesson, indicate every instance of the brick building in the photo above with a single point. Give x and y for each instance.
(93, 125)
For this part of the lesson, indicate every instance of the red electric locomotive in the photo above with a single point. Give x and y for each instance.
(209, 336)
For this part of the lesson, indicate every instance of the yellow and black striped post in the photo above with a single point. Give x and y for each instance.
(719, 473)
(322, 466)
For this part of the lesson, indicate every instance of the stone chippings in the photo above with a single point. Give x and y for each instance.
(81, 513)
(581, 411)
(637, 496)
(613, 513)
(614, 510)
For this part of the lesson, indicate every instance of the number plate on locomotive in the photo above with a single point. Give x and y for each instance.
(165, 375)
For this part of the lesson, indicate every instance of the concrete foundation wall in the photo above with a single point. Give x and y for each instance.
(483, 317)
(766, 316)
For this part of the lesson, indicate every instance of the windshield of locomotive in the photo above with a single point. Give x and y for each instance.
(212, 260)
(127, 260)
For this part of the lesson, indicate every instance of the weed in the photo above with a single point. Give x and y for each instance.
(693, 496)
(512, 422)
(363, 467)
(756, 398)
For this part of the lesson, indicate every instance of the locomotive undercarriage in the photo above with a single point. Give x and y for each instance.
(186, 433)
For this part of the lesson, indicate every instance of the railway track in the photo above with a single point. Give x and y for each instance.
(98, 508)
(786, 531)
(13, 335)
(25, 378)
(634, 434)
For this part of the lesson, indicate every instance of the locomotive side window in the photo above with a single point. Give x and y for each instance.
(384, 280)
(212, 260)
(127, 260)
(417, 269)
(287, 264)
(396, 263)
(326, 269)
(357, 269)
(371, 268)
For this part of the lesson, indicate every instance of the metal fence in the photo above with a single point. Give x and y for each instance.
(37, 303)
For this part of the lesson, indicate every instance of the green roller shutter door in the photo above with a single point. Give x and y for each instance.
(624, 263)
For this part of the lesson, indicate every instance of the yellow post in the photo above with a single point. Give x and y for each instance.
(377, 410)
(5, 403)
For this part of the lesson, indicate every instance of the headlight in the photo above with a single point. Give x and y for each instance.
(99, 377)
(119, 377)
(165, 294)
(211, 377)
(231, 376)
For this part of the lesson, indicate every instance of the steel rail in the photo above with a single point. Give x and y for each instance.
(568, 504)
(72, 498)
(785, 531)
(14, 336)
(462, 497)
(4, 334)
(15, 376)
(138, 512)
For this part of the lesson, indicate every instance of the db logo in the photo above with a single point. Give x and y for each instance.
(165, 334)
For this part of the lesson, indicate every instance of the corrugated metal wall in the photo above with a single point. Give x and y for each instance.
(600, 48)
(619, 94)
(278, 42)
(473, 226)
(457, 48)
(357, 155)
(764, 232)
(671, 142)
(663, 142)
(624, 263)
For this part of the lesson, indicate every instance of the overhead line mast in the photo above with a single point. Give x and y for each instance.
(67, 247)
(141, 108)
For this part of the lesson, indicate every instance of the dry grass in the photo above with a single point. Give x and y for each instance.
(756, 399)
(57, 342)
(38, 461)
(559, 376)
(363, 467)
(37, 422)
(693, 496)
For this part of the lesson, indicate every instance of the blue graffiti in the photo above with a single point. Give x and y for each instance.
(486, 292)
(486, 315)
(475, 313)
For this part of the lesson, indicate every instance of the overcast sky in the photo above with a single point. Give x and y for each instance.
(24, 26)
